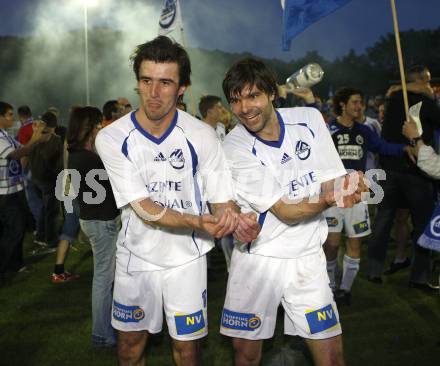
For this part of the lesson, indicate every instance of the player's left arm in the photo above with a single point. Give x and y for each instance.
(344, 191)
(376, 144)
(337, 188)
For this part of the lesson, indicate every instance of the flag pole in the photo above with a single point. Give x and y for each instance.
(400, 58)
(191, 96)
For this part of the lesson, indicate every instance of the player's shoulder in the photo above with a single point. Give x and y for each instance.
(300, 114)
(117, 131)
(363, 128)
(193, 128)
(302, 118)
(239, 138)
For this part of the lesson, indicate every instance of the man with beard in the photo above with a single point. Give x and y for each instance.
(164, 166)
(284, 166)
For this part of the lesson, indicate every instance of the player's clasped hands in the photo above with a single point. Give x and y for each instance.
(220, 225)
(348, 190)
(248, 228)
(244, 226)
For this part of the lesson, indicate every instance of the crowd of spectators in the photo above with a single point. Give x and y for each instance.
(367, 133)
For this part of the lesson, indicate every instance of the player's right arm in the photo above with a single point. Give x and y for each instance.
(156, 215)
(129, 188)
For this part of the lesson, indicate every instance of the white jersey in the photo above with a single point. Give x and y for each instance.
(182, 170)
(295, 166)
(221, 131)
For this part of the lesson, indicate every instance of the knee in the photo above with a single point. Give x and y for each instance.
(336, 358)
(130, 350)
(129, 355)
(246, 356)
(187, 353)
(331, 248)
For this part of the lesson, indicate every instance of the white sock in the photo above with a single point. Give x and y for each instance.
(332, 268)
(349, 272)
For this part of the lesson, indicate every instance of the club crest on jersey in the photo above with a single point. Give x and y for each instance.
(359, 139)
(302, 150)
(176, 159)
(160, 157)
(285, 158)
(14, 168)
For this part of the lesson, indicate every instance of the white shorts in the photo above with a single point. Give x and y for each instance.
(258, 284)
(140, 298)
(355, 221)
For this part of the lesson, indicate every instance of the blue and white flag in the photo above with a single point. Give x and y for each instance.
(299, 14)
(430, 239)
(170, 17)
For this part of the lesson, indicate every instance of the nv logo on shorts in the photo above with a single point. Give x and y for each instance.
(360, 227)
(127, 314)
(322, 319)
(190, 323)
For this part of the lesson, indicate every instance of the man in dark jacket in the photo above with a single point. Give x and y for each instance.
(404, 181)
(45, 162)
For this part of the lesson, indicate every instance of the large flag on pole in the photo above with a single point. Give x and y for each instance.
(299, 14)
(170, 17)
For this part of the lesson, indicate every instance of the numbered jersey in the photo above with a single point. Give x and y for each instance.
(294, 167)
(353, 143)
(182, 170)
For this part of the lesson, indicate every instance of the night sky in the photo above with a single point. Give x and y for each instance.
(234, 25)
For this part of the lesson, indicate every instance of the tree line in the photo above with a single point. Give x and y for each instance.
(49, 71)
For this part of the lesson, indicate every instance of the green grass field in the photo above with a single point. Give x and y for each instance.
(43, 324)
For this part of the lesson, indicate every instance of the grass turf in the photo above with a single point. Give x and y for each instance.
(44, 324)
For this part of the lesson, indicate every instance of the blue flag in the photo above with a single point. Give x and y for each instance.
(299, 14)
(430, 239)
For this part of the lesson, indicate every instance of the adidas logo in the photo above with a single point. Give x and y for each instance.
(285, 158)
(160, 157)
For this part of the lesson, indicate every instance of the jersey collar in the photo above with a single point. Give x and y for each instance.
(150, 137)
(278, 143)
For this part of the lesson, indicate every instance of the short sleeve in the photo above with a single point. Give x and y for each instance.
(215, 171)
(254, 184)
(328, 163)
(126, 180)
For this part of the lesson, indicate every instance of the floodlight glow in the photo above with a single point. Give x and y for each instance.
(89, 3)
